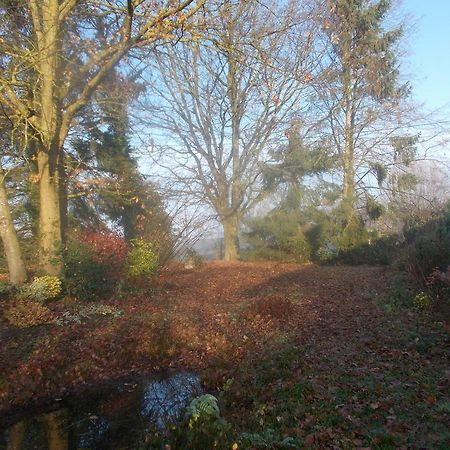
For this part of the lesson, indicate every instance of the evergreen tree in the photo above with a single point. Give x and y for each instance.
(361, 84)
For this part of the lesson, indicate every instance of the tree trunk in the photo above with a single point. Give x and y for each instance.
(348, 191)
(48, 157)
(63, 196)
(50, 216)
(57, 431)
(16, 436)
(16, 265)
(231, 238)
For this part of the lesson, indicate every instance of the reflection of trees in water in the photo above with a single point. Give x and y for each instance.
(47, 431)
(107, 419)
(16, 435)
(164, 400)
(57, 432)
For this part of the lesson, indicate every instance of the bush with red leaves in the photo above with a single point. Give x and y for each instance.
(108, 249)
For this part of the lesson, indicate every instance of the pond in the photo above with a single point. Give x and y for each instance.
(117, 417)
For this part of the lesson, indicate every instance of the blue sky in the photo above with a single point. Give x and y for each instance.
(429, 51)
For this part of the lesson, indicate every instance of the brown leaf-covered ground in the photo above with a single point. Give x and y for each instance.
(299, 354)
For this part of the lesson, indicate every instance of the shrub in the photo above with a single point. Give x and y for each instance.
(400, 293)
(42, 289)
(438, 284)
(24, 313)
(298, 247)
(422, 301)
(202, 408)
(277, 236)
(142, 261)
(353, 235)
(379, 251)
(84, 277)
(6, 289)
(109, 250)
(192, 259)
(427, 247)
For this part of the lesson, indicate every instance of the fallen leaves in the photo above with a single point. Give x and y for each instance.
(345, 367)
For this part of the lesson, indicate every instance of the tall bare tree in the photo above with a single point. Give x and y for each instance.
(225, 100)
(54, 54)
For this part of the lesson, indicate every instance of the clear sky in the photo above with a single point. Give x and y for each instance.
(429, 46)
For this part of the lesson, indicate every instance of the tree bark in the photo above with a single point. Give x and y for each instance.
(231, 238)
(48, 158)
(348, 192)
(50, 237)
(16, 265)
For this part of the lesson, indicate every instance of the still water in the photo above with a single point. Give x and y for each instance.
(118, 417)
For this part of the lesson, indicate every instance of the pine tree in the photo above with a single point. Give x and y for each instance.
(362, 81)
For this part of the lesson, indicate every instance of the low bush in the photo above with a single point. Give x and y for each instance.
(109, 250)
(377, 252)
(276, 237)
(142, 262)
(422, 301)
(203, 428)
(202, 408)
(25, 313)
(42, 289)
(427, 247)
(6, 289)
(84, 277)
(192, 259)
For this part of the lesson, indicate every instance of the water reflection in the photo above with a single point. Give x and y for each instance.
(115, 418)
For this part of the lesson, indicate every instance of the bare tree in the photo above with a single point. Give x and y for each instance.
(218, 105)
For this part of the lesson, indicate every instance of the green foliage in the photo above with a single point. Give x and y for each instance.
(192, 259)
(380, 172)
(422, 301)
(377, 252)
(142, 261)
(84, 277)
(6, 289)
(128, 199)
(268, 439)
(353, 235)
(202, 408)
(295, 161)
(42, 289)
(203, 428)
(277, 236)
(427, 247)
(338, 236)
(405, 148)
(374, 209)
(400, 293)
(406, 182)
(87, 312)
